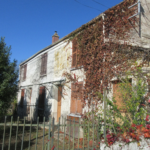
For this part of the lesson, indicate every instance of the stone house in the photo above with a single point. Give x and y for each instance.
(40, 88)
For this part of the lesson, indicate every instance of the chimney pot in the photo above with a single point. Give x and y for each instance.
(55, 37)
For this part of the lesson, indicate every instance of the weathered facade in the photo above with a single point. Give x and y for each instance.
(40, 89)
(40, 82)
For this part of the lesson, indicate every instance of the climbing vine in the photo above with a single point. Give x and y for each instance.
(106, 50)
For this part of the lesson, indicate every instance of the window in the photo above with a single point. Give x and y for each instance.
(117, 94)
(75, 55)
(76, 97)
(41, 103)
(44, 64)
(23, 72)
(29, 94)
(22, 98)
(41, 96)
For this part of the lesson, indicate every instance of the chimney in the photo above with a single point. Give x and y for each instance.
(55, 37)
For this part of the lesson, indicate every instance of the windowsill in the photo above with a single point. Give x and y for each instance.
(23, 80)
(43, 75)
(76, 68)
(74, 115)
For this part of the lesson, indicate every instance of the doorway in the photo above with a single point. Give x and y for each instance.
(59, 102)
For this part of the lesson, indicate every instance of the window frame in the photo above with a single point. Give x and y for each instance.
(43, 70)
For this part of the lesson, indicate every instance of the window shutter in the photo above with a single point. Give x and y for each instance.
(117, 95)
(41, 97)
(76, 61)
(59, 102)
(73, 98)
(74, 53)
(79, 98)
(44, 64)
(21, 73)
(25, 71)
(76, 97)
(22, 98)
(80, 90)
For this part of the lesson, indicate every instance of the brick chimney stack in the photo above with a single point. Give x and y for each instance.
(55, 37)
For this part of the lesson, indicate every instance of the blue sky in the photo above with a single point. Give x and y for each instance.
(28, 25)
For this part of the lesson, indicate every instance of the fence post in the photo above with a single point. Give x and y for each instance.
(88, 133)
(73, 131)
(99, 131)
(23, 135)
(93, 134)
(58, 135)
(53, 132)
(4, 133)
(64, 133)
(78, 133)
(17, 133)
(69, 132)
(37, 133)
(30, 133)
(43, 132)
(83, 132)
(10, 132)
(49, 133)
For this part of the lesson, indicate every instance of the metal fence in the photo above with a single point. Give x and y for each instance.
(68, 134)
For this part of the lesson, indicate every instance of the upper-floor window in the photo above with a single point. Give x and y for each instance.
(44, 64)
(74, 53)
(23, 72)
(76, 61)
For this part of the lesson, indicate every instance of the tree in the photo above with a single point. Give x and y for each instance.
(8, 77)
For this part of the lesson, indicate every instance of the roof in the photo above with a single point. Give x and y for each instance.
(67, 36)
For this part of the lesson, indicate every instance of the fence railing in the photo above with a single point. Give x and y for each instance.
(68, 134)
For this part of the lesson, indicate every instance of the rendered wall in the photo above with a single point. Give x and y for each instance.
(144, 144)
(57, 63)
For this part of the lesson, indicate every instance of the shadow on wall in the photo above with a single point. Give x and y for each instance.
(41, 112)
(22, 107)
(32, 111)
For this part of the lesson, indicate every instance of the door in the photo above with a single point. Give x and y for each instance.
(59, 102)
(21, 110)
(76, 97)
(29, 102)
(22, 98)
(41, 103)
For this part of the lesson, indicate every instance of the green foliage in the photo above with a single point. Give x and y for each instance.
(132, 109)
(8, 78)
(132, 112)
(91, 119)
(133, 99)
